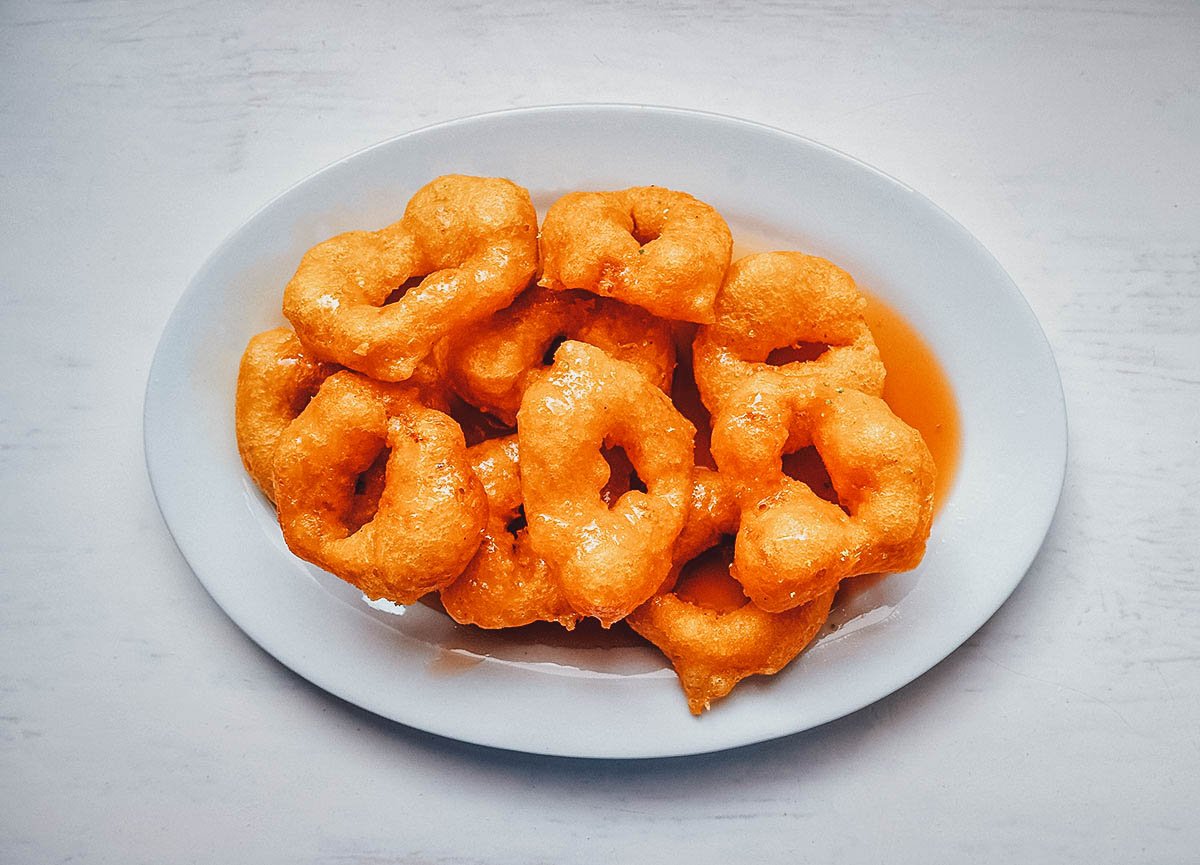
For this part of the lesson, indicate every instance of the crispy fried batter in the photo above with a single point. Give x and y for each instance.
(431, 510)
(473, 239)
(713, 635)
(793, 545)
(712, 650)
(608, 561)
(778, 300)
(662, 250)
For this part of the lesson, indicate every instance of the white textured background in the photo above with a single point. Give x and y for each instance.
(137, 724)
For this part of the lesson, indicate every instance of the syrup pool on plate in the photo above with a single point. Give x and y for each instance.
(917, 389)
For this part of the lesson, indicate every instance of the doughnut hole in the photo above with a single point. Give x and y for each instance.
(551, 348)
(477, 425)
(801, 352)
(644, 233)
(706, 582)
(622, 475)
(367, 490)
(402, 289)
(805, 465)
(518, 522)
(686, 397)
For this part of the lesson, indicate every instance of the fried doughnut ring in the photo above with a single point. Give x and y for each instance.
(608, 561)
(431, 510)
(794, 546)
(506, 585)
(662, 250)
(490, 364)
(276, 379)
(778, 300)
(714, 649)
(474, 239)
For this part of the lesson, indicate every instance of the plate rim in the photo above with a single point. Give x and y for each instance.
(910, 673)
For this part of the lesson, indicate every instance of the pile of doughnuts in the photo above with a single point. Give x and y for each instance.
(468, 408)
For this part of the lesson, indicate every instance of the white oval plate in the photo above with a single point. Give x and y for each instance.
(421, 669)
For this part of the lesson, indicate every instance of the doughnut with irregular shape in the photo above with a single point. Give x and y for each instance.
(777, 300)
(607, 560)
(431, 509)
(714, 647)
(794, 546)
(473, 239)
(712, 650)
(662, 250)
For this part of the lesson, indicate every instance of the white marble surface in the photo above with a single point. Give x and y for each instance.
(137, 724)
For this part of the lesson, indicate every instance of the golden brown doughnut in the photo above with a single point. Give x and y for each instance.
(473, 239)
(431, 510)
(778, 300)
(608, 560)
(662, 250)
(794, 546)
